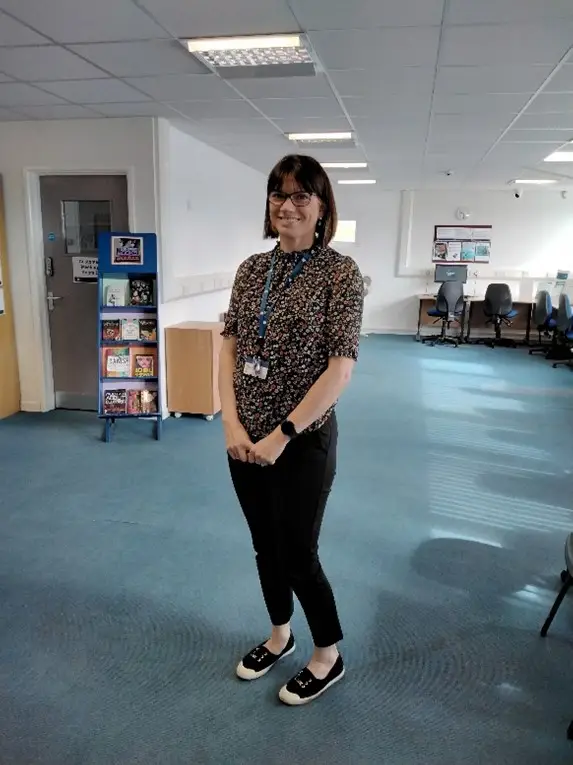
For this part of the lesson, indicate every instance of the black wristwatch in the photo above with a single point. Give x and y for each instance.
(289, 429)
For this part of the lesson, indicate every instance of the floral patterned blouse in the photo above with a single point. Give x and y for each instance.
(318, 316)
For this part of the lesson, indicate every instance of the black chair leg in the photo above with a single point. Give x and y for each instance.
(570, 731)
(558, 600)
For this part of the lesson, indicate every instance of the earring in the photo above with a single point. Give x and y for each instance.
(318, 227)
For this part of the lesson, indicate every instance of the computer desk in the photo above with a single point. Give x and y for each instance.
(473, 316)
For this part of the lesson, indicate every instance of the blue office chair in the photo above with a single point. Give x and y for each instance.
(564, 330)
(449, 308)
(544, 321)
(499, 311)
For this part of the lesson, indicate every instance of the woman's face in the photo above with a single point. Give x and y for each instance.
(296, 222)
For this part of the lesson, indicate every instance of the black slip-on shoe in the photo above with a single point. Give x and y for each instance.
(260, 660)
(305, 687)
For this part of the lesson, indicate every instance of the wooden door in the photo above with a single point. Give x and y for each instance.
(9, 378)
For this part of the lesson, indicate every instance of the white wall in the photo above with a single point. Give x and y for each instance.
(78, 146)
(395, 234)
(211, 219)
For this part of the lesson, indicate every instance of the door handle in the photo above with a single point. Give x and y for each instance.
(50, 297)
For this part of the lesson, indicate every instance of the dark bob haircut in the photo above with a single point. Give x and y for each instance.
(311, 177)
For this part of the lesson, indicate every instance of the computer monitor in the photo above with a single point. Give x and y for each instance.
(445, 273)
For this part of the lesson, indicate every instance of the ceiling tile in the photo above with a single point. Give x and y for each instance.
(368, 83)
(511, 154)
(495, 103)
(398, 104)
(284, 87)
(491, 79)
(94, 91)
(58, 112)
(539, 136)
(75, 21)
(377, 48)
(148, 109)
(48, 62)
(14, 33)
(4, 77)
(283, 108)
(138, 59)
(562, 81)
(313, 125)
(324, 154)
(545, 122)
(20, 94)
(507, 11)
(6, 115)
(506, 44)
(221, 109)
(365, 14)
(552, 102)
(184, 87)
(218, 18)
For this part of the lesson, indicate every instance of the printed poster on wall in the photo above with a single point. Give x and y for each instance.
(465, 244)
(127, 251)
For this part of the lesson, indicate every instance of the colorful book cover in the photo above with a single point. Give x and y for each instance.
(141, 292)
(130, 329)
(149, 402)
(110, 329)
(114, 401)
(144, 365)
(134, 402)
(117, 362)
(148, 329)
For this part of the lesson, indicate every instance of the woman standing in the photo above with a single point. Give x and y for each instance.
(291, 340)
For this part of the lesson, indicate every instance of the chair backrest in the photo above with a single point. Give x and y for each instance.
(497, 300)
(543, 308)
(564, 313)
(450, 298)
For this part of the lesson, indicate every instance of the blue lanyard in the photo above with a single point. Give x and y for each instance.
(266, 309)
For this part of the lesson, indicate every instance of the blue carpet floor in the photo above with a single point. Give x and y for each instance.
(128, 587)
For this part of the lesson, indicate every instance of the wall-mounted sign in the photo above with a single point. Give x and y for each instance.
(84, 269)
(51, 237)
(127, 251)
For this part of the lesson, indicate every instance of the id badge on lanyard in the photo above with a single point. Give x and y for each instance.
(255, 366)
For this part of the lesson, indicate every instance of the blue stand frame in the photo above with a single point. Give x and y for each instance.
(121, 265)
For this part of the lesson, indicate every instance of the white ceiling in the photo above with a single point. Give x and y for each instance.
(483, 88)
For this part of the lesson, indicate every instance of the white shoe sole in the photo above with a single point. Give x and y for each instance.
(292, 700)
(250, 674)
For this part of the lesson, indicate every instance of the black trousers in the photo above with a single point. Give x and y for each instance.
(284, 506)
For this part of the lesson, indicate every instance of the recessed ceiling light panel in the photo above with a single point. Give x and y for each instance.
(344, 165)
(560, 156)
(534, 181)
(265, 50)
(319, 137)
(363, 182)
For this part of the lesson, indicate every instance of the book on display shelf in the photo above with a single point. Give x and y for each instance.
(129, 344)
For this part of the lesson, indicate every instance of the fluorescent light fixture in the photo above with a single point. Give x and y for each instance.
(560, 156)
(319, 137)
(344, 165)
(534, 182)
(345, 231)
(262, 50)
(363, 182)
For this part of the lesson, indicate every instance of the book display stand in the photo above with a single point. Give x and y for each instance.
(128, 337)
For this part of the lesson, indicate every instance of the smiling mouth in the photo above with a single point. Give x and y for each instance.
(288, 219)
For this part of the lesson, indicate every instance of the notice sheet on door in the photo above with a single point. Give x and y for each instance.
(84, 269)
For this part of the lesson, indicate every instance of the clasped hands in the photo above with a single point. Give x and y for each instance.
(265, 452)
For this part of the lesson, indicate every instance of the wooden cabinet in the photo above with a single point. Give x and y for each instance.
(9, 378)
(192, 360)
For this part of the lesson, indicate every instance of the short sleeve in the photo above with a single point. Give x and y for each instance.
(232, 316)
(345, 309)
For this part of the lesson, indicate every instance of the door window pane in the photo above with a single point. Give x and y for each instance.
(83, 222)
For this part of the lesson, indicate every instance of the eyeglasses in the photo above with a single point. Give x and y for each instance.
(298, 198)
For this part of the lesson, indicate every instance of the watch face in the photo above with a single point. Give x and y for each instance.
(288, 429)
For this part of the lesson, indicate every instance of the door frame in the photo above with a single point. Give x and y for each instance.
(35, 250)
